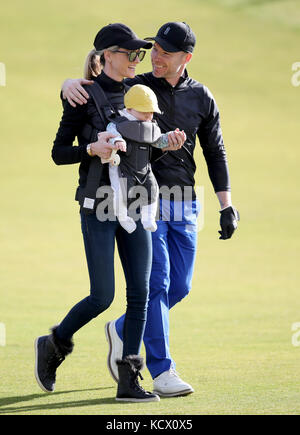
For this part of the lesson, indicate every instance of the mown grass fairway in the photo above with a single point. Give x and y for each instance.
(232, 336)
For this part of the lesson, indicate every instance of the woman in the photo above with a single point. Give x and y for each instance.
(119, 51)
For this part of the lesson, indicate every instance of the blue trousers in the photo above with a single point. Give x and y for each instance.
(135, 251)
(174, 251)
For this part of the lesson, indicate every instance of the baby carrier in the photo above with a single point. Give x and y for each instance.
(135, 165)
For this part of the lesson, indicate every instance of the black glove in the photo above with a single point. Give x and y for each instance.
(228, 222)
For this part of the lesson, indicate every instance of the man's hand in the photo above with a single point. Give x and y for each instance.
(228, 222)
(176, 139)
(74, 92)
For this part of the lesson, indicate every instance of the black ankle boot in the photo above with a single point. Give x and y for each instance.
(129, 389)
(50, 352)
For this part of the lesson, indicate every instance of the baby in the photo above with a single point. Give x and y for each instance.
(136, 132)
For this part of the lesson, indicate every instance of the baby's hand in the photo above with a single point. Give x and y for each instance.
(120, 145)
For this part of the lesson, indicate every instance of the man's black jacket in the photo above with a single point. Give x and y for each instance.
(191, 107)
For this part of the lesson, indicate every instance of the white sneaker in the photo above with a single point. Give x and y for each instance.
(169, 384)
(115, 352)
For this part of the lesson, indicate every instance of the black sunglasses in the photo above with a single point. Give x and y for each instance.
(132, 55)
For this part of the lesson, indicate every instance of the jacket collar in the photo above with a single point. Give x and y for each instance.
(182, 82)
(109, 84)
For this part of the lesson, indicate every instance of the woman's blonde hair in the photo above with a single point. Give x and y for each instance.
(95, 62)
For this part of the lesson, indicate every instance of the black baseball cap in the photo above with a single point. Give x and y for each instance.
(175, 36)
(121, 35)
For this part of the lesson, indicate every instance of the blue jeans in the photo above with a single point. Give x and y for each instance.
(135, 251)
(174, 251)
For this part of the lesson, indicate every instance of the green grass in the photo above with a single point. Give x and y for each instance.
(231, 338)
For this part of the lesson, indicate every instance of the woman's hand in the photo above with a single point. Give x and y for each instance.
(176, 139)
(74, 92)
(102, 148)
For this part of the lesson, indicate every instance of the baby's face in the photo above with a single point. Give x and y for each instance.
(141, 116)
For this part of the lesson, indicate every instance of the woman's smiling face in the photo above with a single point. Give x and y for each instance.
(117, 65)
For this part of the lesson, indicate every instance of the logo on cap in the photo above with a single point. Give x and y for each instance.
(167, 30)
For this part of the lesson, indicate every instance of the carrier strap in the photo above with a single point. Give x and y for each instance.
(87, 195)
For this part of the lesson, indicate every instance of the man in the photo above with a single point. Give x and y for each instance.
(189, 105)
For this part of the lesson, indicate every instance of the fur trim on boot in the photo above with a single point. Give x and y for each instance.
(135, 362)
(63, 347)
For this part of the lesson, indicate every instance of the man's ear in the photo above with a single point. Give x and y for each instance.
(188, 57)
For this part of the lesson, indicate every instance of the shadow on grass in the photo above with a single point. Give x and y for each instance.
(6, 401)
